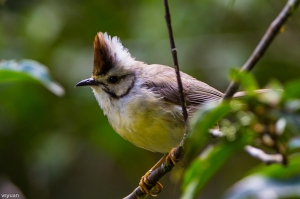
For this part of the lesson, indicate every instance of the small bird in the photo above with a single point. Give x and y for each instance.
(142, 101)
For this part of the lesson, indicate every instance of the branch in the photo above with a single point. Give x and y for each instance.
(156, 175)
(176, 66)
(264, 157)
(273, 30)
(176, 153)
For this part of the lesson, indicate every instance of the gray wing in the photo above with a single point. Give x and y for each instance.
(164, 84)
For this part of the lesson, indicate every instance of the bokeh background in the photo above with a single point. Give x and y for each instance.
(64, 147)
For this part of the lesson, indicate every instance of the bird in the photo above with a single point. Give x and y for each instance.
(142, 101)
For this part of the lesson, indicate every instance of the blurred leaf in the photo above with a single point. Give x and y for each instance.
(294, 122)
(292, 89)
(274, 181)
(292, 105)
(294, 143)
(201, 122)
(292, 115)
(11, 71)
(262, 187)
(247, 80)
(274, 95)
(280, 126)
(206, 165)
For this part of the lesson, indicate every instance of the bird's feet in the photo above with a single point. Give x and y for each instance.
(171, 158)
(144, 184)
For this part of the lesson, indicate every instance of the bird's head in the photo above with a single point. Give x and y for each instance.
(113, 72)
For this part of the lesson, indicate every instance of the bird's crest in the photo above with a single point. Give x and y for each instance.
(108, 52)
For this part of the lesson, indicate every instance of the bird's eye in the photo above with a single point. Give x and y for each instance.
(113, 79)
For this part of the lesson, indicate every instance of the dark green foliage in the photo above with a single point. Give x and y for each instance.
(269, 121)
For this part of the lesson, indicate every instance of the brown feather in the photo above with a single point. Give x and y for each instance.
(103, 60)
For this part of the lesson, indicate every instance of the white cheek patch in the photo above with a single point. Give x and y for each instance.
(103, 99)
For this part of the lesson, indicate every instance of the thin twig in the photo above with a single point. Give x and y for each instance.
(176, 66)
(177, 153)
(273, 30)
(264, 157)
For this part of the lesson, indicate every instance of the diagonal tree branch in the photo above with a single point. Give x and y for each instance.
(273, 30)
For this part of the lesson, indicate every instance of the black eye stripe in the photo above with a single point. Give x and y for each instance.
(106, 89)
(112, 94)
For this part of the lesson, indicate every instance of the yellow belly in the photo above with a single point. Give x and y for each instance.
(155, 125)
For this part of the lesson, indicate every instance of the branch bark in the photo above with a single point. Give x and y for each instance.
(273, 30)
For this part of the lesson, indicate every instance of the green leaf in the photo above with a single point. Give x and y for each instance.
(206, 165)
(274, 181)
(246, 79)
(201, 122)
(292, 89)
(28, 70)
(280, 171)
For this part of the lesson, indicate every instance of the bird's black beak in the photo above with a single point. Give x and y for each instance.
(87, 82)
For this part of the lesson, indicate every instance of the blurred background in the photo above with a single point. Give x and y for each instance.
(63, 147)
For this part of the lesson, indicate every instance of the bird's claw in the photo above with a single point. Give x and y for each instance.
(144, 183)
(156, 189)
(172, 158)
